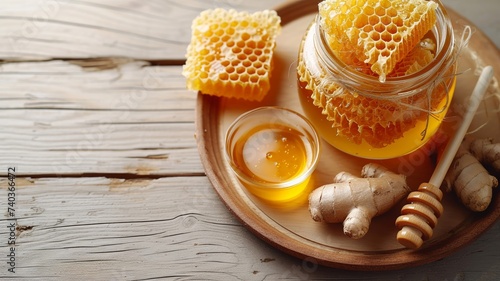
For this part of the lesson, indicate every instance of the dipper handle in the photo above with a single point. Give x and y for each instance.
(420, 215)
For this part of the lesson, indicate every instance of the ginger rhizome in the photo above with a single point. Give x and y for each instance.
(486, 152)
(468, 177)
(356, 200)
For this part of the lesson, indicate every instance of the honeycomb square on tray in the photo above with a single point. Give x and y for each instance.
(230, 53)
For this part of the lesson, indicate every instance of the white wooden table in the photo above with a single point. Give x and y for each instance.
(97, 123)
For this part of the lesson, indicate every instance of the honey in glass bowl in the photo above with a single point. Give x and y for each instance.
(374, 117)
(273, 152)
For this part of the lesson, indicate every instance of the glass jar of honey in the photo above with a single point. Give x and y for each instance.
(358, 113)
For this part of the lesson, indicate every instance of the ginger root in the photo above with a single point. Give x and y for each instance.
(486, 152)
(355, 200)
(468, 177)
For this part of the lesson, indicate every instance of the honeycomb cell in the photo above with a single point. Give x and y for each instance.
(392, 28)
(244, 23)
(240, 70)
(379, 27)
(223, 76)
(380, 11)
(230, 53)
(234, 77)
(251, 45)
(373, 20)
(242, 57)
(386, 4)
(392, 13)
(386, 20)
(245, 36)
(247, 64)
(345, 21)
(380, 45)
(368, 10)
(214, 39)
(386, 36)
(236, 50)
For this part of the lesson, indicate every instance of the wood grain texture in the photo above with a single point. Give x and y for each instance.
(151, 30)
(96, 118)
(61, 118)
(77, 227)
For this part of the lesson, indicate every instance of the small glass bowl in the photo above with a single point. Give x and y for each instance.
(273, 152)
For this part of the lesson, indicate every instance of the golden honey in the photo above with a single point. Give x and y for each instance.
(273, 151)
(411, 141)
(271, 154)
(356, 112)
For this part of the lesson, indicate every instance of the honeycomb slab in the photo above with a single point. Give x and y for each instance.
(379, 33)
(230, 54)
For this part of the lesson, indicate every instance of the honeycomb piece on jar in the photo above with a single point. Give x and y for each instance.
(417, 59)
(378, 122)
(230, 53)
(379, 32)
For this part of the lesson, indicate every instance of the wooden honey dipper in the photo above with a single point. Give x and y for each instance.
(420, 216)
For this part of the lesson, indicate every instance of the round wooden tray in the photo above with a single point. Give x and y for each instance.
(289, 227)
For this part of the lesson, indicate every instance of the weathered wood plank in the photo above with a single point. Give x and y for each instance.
(33, 29)
(176, 229)
(116, 84)
(128, 118)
